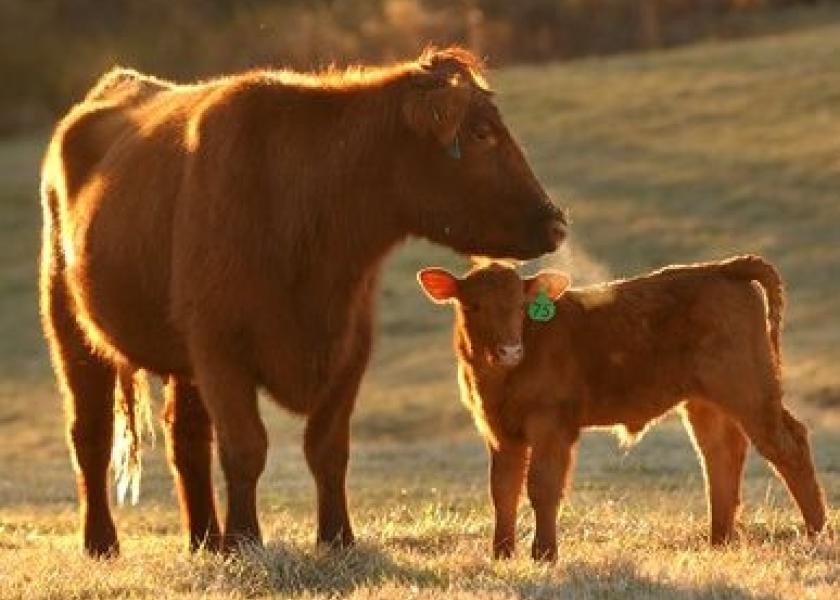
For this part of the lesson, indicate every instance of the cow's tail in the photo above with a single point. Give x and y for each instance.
(132, 412)
(755, 268)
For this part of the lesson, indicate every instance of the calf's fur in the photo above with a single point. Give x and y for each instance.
(623, 354)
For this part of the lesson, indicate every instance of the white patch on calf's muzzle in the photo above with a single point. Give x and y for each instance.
(509, 355)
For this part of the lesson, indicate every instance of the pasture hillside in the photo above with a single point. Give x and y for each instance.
(678, 156)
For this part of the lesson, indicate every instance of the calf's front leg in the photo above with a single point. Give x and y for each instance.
(508, 463)
(552, 457)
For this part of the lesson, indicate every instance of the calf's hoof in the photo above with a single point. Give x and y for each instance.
(824, 531)
(720, 539)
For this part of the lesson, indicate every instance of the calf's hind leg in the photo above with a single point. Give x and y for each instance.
(783, 441)
(722, 447)
(189, 439)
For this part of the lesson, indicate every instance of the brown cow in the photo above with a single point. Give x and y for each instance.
(229, 235)
(623, 354)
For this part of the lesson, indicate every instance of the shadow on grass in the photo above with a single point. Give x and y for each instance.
(281, 569)
(622, 579)
(288, 571)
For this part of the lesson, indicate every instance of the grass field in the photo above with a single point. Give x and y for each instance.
(686, 155)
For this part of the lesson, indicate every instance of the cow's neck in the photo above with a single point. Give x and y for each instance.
(350, 216)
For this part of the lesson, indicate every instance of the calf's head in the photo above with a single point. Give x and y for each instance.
(490, 307)
(462, 179)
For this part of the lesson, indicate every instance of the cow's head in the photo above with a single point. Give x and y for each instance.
(490, 304)
(462, 179)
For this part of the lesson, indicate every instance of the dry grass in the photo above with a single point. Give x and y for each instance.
(678, 156)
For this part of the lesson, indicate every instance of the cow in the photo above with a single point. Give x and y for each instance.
(228, 236)
(622, 354)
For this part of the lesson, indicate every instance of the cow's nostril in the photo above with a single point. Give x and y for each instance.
(557, 231)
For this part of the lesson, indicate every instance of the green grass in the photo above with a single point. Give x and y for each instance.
(669, 157)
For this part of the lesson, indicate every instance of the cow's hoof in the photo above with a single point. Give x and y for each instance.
(235, 543)
(102, 548)
(502, 551)
(544, 552)
(340, 541)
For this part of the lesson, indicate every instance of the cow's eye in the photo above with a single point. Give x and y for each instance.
(482, 132)
(470, 307)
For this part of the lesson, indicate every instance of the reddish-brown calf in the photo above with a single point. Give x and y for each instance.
(229, 234)
(623, 354)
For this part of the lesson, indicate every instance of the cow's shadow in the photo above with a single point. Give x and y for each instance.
(290, 571)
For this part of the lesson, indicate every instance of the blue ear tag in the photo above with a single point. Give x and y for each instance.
(541, 308)
(454, 149)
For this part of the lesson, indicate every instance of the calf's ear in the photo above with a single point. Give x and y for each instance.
(438, 111)
(439, 284)
(553, 283)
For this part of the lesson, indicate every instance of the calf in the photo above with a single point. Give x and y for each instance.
(623, 354)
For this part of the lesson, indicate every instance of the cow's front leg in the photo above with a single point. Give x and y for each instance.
(327, 450)
(229, 393)
(552, 456)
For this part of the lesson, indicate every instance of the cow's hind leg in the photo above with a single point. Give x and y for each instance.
(722, 447)
(783, 441)
(87, 384)
(189, 437)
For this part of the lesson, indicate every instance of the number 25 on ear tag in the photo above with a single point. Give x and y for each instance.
(541, 308)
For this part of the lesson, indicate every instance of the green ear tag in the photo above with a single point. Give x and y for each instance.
(541, 308)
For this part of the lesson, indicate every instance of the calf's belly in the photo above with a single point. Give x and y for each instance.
(633, 412)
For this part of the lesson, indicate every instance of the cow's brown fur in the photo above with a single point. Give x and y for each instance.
(623, 354)
(229, 234)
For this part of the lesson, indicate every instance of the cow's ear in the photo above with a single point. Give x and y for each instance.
(553, 283)
(438, 111)
(439, 284)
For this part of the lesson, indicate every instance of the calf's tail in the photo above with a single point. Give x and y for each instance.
(132, 414)
(755, 268)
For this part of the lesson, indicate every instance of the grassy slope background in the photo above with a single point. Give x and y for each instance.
(673, 157)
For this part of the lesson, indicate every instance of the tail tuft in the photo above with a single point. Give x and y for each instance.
(133, 418)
